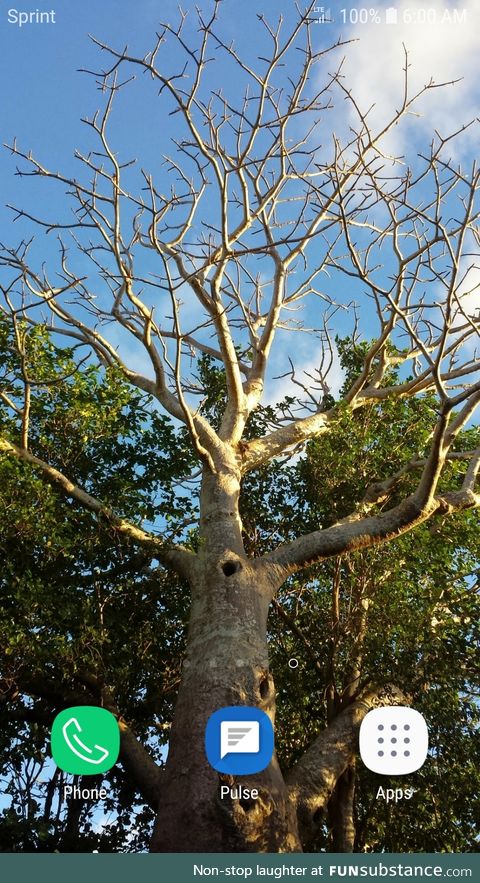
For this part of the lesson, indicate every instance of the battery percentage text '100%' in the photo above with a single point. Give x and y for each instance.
(415, 16)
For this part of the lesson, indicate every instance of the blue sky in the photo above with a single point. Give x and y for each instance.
(47, 96)
(44, 96)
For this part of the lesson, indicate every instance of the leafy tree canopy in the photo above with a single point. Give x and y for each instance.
(83, 608)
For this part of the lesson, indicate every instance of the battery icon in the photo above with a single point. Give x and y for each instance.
(391, 16)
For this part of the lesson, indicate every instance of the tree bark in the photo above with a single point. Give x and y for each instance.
(226, 664)
(341, 820)
(314, 778)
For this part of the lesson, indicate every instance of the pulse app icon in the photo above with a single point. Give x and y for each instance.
(239, 740)
(393, 740)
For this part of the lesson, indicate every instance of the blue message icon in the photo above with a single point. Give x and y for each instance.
(239, 740)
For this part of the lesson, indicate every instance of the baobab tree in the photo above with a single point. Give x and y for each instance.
(260, 228)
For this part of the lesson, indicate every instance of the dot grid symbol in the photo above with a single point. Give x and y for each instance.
(393, 740)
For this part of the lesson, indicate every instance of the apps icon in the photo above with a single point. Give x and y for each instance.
(393, 740)
(239, 740)
(85, 740)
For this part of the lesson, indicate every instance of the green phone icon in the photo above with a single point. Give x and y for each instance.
(85, 740)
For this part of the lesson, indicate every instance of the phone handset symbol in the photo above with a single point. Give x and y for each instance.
(83, 750)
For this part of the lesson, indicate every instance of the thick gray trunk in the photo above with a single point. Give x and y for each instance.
(341, 818)
(226, 664)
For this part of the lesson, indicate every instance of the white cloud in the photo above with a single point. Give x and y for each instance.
(467, 309)
(439, 50)
(306, 360)
(469, 290)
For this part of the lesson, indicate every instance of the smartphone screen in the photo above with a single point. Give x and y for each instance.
(239, 439)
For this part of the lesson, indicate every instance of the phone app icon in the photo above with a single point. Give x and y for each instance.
(85, 740)
(239, 740)
(393, 740)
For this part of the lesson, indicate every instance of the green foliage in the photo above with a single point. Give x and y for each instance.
(408, 614)
(82, 609)
(75, 598)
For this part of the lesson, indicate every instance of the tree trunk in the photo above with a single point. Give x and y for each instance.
(226, 664)
(341, 818)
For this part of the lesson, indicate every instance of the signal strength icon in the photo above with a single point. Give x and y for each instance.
(323, 15)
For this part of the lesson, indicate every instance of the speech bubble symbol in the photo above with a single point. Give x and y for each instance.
(239, 737)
